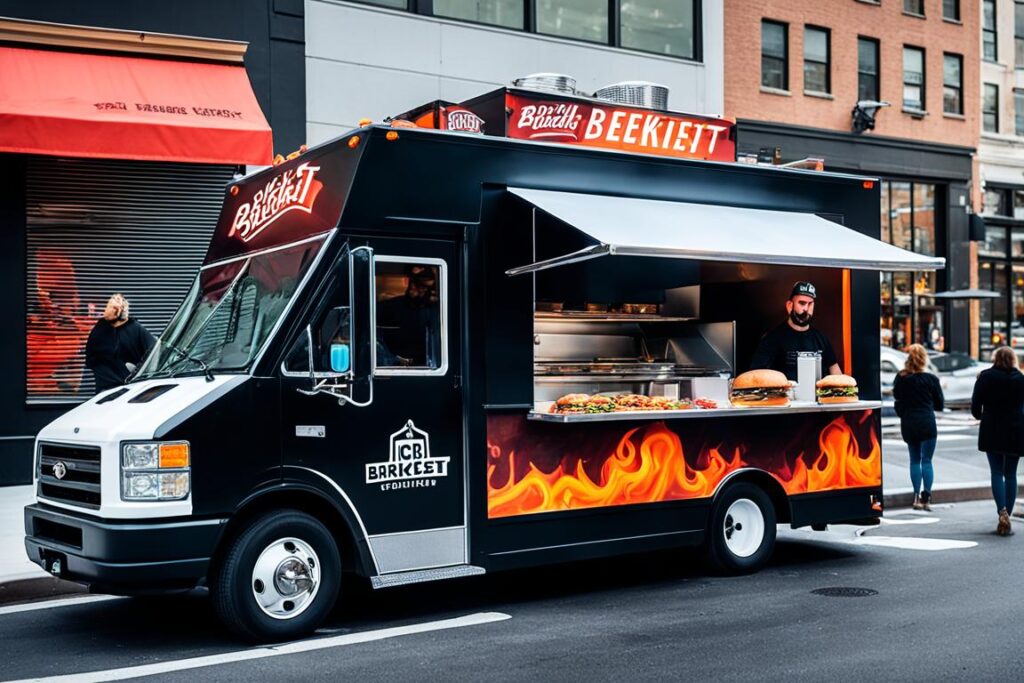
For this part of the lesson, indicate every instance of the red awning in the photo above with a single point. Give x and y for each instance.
(118, 107)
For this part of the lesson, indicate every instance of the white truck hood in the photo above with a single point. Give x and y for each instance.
(120, 419)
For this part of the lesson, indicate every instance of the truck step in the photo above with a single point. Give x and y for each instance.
(424, 575)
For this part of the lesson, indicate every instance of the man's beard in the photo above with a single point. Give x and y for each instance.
(801, 319)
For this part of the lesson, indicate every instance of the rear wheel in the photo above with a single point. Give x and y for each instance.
(741, 536)
(279, 578)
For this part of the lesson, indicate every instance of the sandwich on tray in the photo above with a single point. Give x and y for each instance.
(760, 389)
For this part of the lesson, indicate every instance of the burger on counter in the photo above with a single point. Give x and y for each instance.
(760, 389)
(837, 389)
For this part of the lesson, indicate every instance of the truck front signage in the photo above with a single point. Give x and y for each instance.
(295, 189)
(409, 464)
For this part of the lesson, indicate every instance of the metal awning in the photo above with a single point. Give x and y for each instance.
(625, 226)
(967, 294)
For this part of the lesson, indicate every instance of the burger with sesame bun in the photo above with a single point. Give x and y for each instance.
(837, 389)
(760, 389)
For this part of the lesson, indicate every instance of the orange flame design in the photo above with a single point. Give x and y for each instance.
(655, 470)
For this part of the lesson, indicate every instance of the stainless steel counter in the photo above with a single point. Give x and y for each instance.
(697, 413)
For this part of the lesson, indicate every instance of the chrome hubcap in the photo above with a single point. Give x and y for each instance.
(743, 528)
(286, 578)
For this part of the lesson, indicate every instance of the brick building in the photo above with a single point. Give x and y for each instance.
(1001, 173)
(807, 78)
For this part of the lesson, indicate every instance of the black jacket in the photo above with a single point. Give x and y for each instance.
(998, 401)
(109, 348)
(918, 395)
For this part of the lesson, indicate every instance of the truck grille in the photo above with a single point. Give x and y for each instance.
(80, 484)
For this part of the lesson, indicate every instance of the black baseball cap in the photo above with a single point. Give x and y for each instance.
(804, 289)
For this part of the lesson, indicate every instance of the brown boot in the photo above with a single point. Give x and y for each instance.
(1003, 528)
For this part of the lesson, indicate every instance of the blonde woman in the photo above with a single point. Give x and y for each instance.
(998, 401)
(116, 340)
(918, 395)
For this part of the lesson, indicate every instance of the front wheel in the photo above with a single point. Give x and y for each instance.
(279, 577)
(741, 535)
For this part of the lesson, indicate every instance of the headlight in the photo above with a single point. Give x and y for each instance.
(155, 471)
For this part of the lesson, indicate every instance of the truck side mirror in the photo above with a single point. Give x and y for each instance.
(364, 324)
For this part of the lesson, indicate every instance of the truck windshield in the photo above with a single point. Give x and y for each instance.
(230, 311)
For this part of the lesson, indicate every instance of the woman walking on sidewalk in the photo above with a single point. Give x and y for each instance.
(918, 395)
(998, 401)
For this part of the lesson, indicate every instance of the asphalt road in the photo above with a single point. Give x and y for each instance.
(939, 614)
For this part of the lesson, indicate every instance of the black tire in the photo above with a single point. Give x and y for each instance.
(232, 584)
(728, 556)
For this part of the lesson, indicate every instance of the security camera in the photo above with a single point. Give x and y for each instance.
(864, 114)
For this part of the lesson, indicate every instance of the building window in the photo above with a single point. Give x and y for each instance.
(774, 55)
(909, 313)
(579, 19)
(988, 31)
(913, 78)
(990, 109)
(951, 10)
(867, 69)
(1018, 34)
(952, 84)
(817, 77)
(914, 7)
(505, 13)
(665, 27)
(1018, 112)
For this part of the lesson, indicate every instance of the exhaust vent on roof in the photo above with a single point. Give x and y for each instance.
(635, 93)
(558, 83)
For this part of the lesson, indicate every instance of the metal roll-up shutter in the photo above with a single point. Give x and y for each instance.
(96, 227)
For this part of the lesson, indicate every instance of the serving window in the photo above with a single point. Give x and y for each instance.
(411, 302)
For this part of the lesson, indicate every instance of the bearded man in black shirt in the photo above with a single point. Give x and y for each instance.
(779, 347)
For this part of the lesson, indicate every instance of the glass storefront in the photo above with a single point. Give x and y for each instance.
(909, 312)
(1001, 269)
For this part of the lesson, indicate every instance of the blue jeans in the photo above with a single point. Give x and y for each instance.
(921, 464)
(1004, 479)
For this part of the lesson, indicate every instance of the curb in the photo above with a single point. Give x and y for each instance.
(28, 590)
(955, 494)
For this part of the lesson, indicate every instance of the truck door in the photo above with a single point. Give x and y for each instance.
(381, 417)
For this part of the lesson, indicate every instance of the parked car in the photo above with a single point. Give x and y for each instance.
(956, 373)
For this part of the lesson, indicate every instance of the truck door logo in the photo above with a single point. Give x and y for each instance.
(409, 464)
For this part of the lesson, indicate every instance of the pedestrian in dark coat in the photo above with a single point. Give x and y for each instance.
(918, 395)
(998, 401)
(116, 344)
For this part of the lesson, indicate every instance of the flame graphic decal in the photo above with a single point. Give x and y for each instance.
(649, 464)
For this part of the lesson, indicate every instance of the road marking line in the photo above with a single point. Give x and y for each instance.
(52, 604)
(912, 543)
(273, 650)
(955, 437)
(916, 520)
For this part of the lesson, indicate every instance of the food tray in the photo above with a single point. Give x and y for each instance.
(540, 414)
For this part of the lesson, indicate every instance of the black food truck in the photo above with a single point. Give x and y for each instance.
(415, 353)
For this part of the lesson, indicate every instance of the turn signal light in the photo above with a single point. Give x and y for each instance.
(234, 190)
(391, 135)
(174, 455)
(365, 122)
(353, 142)
(868, 184)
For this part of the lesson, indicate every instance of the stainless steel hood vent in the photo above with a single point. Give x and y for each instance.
(635, 94)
